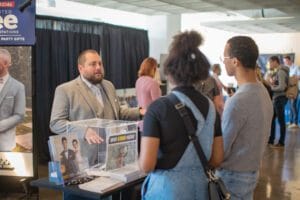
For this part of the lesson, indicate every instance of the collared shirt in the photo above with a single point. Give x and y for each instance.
(294, 70)
(95, 89)
(66, 154)
(5, 78)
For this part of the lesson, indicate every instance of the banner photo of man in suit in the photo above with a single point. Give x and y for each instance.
(12, 103)
(16, 157)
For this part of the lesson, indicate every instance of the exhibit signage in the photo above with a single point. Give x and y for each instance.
(17, 22)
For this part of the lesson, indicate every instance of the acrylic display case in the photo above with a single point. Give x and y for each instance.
(118, 149)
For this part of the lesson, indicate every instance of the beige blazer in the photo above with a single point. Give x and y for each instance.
(75, 101)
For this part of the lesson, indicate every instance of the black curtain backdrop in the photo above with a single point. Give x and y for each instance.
(58, 44)
(123, 50)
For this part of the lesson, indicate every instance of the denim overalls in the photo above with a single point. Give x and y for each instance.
(186, 181)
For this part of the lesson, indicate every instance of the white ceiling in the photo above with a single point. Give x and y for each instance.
(249, 16)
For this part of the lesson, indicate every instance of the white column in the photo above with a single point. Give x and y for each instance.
(161, 29)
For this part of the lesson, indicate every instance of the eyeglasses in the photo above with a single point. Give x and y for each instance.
(222, 58)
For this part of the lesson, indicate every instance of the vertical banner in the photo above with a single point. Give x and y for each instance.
(17, 22)
(18, 162)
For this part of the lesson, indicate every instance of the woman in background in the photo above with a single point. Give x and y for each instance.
(216, 69)
(147, 89)
(175, 171)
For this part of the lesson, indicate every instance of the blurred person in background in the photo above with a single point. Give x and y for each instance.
(216, 69)
(210, 88)
(279, 83)
(295, 73)
(263, 81)
(147, 88)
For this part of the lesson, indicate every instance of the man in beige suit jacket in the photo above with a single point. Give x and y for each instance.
(79, 99)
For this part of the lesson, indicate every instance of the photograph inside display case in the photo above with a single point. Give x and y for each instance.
(66, 149)
(76, 156)
(16, 157)
(121, 150)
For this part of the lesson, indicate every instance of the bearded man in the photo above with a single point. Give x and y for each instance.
(88, 96)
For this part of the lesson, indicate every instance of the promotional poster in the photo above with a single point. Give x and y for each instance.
(17, 22)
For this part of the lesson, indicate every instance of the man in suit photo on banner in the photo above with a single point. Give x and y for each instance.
(12, 103)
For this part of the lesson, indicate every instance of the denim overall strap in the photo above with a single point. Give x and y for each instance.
(187, 179)
(204, 139)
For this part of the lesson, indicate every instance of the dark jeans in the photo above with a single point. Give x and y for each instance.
(294, 110)
(279, 106)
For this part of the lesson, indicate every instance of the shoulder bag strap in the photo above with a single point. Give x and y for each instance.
(180, 107)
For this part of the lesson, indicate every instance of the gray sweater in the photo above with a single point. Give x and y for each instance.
(246, 125)
(281, 81)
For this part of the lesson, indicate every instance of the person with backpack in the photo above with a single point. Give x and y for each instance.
(279, 84)
(292, 92)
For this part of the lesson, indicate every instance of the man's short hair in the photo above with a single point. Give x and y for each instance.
(5, 53)
(63, 139)
(215, 66)
(81, 57)
(274, 58)
(244, 49)
(287, 57)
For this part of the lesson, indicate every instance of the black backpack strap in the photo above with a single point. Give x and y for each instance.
(180, 107)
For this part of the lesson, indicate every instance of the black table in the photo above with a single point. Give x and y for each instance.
(117, 193)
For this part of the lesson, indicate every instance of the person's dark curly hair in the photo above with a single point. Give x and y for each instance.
(244, 49)
(186, 64)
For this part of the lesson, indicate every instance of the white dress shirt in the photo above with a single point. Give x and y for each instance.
(4, 78)
(95, 89)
